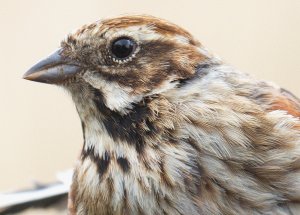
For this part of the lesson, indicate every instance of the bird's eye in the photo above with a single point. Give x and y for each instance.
(122, 47)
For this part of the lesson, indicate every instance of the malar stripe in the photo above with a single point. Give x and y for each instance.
(127, 128)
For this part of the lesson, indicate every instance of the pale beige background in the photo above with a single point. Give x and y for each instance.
(40, 130)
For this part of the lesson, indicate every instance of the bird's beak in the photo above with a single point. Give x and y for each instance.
(52, 70)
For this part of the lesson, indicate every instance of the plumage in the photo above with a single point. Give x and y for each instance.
(170, 128)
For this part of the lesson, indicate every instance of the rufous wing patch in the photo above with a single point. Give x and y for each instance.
(286, 101)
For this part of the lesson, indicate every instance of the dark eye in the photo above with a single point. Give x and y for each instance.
(123, 47)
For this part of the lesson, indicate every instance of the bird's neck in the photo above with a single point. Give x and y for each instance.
(126, 158)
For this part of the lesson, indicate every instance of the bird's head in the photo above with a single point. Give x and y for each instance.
(126, 59)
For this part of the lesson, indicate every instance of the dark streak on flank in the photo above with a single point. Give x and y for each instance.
(124, 164)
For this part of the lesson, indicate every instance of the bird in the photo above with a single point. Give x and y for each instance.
(170, 128)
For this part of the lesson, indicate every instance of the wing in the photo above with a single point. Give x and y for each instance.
(272, 98)
(287, 101)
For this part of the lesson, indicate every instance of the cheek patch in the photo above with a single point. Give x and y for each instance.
(117, 98)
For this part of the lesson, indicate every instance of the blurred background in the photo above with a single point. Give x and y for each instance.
(40, 130)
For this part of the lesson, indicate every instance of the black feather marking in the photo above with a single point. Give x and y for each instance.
(124, 164)
(101, 162)
(126, 127)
